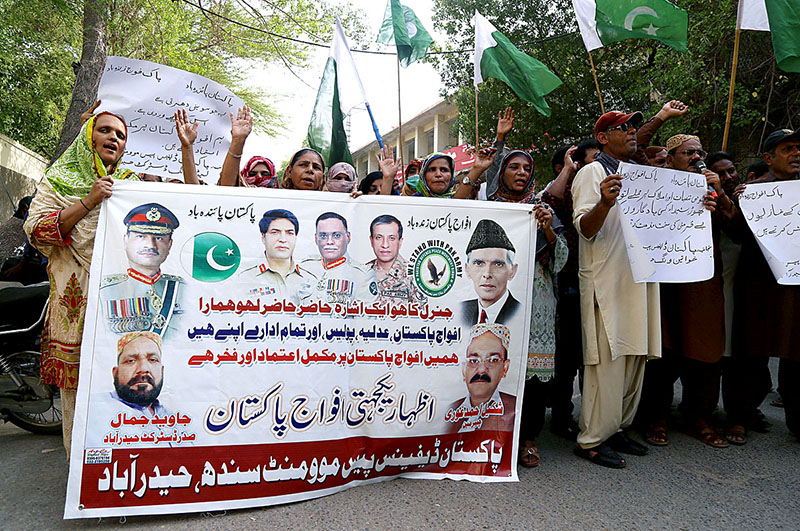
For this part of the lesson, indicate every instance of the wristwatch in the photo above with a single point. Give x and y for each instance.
(466, 180)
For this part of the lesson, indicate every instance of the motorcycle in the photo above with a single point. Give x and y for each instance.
(25, 400)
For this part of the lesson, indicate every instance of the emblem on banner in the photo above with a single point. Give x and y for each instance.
(211, 257)
(435, 265)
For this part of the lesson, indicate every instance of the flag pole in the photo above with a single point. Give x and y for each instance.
(399, 118)
(730, 92)
(596, 83)
(375, 127)
(477, 142)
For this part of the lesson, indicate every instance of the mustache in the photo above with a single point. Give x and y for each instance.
(145, 378)
(481, 378)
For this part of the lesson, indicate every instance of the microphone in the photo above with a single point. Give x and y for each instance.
(701, 167)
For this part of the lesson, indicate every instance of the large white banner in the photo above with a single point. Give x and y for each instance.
(248, 347)
(147, 95)
(667, 229)
(772, 211)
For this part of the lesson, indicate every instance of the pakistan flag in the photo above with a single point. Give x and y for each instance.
(602, 22)
(211, 257)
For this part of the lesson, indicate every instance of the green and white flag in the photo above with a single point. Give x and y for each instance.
(602, 22)
(782, 19)
(402, 27)
(339, 91)
(496, 57)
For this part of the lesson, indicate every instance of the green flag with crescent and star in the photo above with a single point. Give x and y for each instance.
(402, 27)
(602, 22)
(212, 257)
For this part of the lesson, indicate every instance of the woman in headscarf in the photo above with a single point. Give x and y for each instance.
(306, 171)
(515, 183)
(371, 184)
(259, 172)
(437, 176)
(61, 224)
(341, 178)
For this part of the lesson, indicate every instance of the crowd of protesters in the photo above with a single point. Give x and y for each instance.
(636, 340)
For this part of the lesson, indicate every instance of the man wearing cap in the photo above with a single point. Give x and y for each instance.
(393, 281)
(138, 380)
(144, 298)
(693, 327)
(765, 320)
(485, 364)
(620, 318)
(339, 278)
(490, 266)
(278, 276)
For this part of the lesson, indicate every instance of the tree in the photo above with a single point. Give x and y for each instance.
(219, 39)
(633, 74)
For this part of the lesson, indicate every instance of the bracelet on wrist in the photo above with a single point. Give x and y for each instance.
(234, 156)
(84, 205)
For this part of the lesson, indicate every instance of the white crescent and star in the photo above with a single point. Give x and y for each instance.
(641, 10)
(213, 263)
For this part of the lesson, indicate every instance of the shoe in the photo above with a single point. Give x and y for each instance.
(624, 444)
(529, 456)
(601, 455)
(568, 430)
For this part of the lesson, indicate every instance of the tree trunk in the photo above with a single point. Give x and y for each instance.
(87, 72)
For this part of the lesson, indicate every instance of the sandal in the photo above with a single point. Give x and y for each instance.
(657, 435)
(736, 434)
(601, 455)
(529, 456)
(708, 435)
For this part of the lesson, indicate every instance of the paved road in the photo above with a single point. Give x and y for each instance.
(685, 485)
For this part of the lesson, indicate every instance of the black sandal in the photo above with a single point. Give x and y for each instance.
(601, 455)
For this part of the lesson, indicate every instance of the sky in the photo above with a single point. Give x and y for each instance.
(420, 86)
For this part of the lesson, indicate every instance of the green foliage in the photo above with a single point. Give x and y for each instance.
(633, 74)
(41, 39)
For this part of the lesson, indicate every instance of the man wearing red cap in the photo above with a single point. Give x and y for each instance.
(620, 318)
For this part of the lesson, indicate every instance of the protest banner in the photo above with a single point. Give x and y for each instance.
(144, 94)
(772, 211)
(241, 350)
(667, 229)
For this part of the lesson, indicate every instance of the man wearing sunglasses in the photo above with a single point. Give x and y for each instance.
(340, 279)
(620, 318)
(693, 325)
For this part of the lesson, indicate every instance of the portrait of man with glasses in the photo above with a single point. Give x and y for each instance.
(339, 278)
(485, 364)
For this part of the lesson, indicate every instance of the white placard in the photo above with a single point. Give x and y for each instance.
(772, 211)
(667, 223)
(147, 95)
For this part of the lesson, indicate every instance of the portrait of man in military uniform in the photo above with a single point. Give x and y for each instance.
(393, 282)
(339, 278)
(277, 276)
(490, 266)
(144, 298)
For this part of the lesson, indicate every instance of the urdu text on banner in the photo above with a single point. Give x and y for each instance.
(140, 91)
(772, 211)
(248, 347)
(667, 229)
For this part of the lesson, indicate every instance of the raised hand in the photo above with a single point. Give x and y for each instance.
(673, 108)
(570, 164)
(88, 113)
(242, 126)
(505, 122)
(484, 158)
(387, 163)
(187, 132)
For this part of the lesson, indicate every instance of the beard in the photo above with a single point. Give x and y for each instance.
(133, 396)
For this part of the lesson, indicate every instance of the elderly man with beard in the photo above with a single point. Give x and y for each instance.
(765, 320)
(693, 326)
(620, 318)
(138, 380)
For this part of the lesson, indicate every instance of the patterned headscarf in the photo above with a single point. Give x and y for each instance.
(344, 186)
(258, 181)
(499, 331)
(130, 336)
(675, 141)
(74, 173)
(422, 184)
(503, 192)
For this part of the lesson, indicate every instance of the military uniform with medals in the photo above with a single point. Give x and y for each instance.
(342, 280)
(133, 301)
(264, 282)
(397, 286)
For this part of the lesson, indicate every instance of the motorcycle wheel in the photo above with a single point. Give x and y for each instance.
(26, 364)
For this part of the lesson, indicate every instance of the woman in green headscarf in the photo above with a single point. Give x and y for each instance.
(437, 176)
(61, 224)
